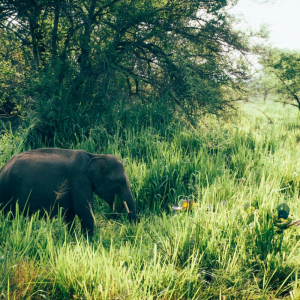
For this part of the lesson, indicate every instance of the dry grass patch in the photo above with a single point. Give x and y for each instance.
(28, 280)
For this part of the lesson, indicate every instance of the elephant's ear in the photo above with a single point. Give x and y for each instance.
(95, 168)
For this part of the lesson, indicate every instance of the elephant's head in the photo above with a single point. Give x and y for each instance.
(108, 177)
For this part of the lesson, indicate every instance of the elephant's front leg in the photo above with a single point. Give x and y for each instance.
(87, 220)
(70, 220)
(82, 199)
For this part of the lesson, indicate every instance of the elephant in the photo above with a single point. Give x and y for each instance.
(47, 179)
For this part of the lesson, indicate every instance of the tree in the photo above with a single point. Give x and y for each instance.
(263, 84)
(10, 74)
(285, 66)
(92, 55)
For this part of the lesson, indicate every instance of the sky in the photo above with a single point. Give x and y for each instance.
(283, 18)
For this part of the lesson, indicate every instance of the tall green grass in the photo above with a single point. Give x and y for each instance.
(216, 251)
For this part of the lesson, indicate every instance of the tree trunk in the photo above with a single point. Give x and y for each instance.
(35, 51)
(54, 32)
(85, 42)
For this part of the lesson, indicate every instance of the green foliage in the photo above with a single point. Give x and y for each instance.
(11, 67)
(83, 61)
(264, 84)
(285, 66)
(217, 249)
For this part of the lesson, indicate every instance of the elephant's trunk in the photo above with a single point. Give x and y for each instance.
(129, 204)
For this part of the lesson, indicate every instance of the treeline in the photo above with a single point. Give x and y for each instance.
(279, 77)
(80, 62)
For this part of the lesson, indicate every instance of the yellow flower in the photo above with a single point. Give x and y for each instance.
(184, 205)
(188, 205)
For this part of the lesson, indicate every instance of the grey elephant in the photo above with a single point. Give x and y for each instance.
(48, 179)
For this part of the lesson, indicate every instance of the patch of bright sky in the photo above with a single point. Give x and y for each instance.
(282, 16)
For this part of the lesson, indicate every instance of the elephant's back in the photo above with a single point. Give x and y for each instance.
(35, 163)
(47, 157)
(53, 154)
(34, 174)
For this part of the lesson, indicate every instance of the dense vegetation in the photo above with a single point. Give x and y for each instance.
(280, 76)
(159, 84)
(217, 251)
(75, 62)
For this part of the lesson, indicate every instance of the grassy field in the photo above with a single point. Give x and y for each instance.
(218, 251)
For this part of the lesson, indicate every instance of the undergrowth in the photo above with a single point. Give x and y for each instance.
(217, 251)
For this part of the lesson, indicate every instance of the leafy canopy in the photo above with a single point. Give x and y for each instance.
(101, 57)
(285, 66)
